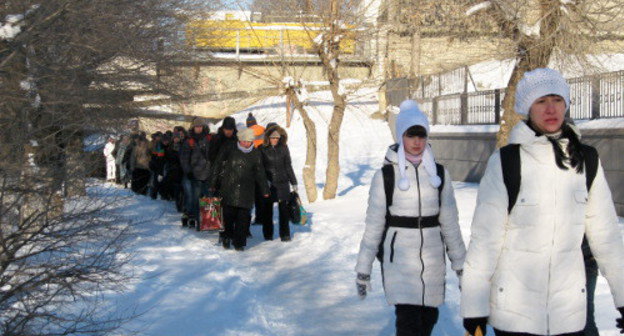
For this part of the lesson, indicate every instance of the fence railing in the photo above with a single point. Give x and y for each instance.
(591, 97)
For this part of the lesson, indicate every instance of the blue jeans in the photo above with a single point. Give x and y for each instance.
(591, 274)
(193, 190)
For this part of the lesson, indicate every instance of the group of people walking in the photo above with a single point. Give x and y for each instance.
(246, 167)
(544, 222)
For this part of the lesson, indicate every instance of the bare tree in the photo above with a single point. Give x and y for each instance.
(541, 29)
(67, 68)
(295, 94)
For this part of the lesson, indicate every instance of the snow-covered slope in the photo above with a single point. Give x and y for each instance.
(187, 285)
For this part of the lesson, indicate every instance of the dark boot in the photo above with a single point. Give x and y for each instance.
(226, 243)
(184, 220)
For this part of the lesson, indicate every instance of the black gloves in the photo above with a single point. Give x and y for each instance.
(474, 325)
(363, 285)
(620, 321)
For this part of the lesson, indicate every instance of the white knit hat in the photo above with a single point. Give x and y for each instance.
(539, 83)
(246, 135)
(410, 115)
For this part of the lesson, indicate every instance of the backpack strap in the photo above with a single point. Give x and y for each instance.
(388, 179)
(591, 168)
(510, 163)
(440, 172)
(591, 164)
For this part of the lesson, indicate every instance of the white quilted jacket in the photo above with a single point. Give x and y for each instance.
(525, 270)
(414, 259)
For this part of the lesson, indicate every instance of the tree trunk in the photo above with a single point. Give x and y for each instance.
(288, 110)
(531, 53)
(333, 149)
(75, 183)
(309, 170)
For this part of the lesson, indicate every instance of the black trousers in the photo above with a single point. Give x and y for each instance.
(412, 320)
(267, 220)
(506, 333)
(140, 180)
(237, 222)
(259, 205)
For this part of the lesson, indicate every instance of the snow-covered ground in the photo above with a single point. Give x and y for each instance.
(187, 285)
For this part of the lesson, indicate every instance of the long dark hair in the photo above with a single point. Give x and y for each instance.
(575, 157)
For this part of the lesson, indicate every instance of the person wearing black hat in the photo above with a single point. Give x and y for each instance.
(226, 136)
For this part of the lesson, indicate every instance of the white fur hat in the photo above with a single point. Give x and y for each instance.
(539, 83)
(410, 115)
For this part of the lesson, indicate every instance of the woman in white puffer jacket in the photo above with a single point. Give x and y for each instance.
(524, 271)
(421, 227)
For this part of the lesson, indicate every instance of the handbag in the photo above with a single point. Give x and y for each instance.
(210, 214)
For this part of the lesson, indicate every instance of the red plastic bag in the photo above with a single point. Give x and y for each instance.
(210, 214)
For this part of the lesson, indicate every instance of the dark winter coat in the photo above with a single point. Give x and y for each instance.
(140, 157)
(194, 156)
(277, 165)
(236, 176)
(219, 141)
(157, 161)
(173, 169)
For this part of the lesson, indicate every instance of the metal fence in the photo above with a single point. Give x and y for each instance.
(591, 97)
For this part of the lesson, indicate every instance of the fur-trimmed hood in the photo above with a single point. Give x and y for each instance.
(282, 132)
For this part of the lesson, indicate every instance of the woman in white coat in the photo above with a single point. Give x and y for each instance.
(110, 160)
(414, 231)
(524, 271)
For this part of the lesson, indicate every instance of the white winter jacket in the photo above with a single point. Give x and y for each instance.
(108, 151)
(525, 270)
(414, 263)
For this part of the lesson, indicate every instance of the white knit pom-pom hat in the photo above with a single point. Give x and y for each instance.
(411, 115)
(539, 83)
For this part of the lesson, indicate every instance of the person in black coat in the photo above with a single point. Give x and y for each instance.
(157, 164)
(237, 172)
(172, 179)
(280, 174)
(226, 135)
(195, 162)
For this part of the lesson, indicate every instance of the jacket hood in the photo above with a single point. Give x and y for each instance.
(522, 134)
(282, 132)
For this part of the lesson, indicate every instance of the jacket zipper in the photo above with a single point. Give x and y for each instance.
(422, 262)
(392, 246)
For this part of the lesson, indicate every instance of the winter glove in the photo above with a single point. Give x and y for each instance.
(459, 277)
(620, 321)
(363, 285)
(475, 326)
(294, 188)
(159, 178)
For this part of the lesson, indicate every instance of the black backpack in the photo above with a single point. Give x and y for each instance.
(388, 178)
(510, 163)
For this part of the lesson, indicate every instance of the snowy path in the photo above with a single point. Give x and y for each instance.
(187, 285)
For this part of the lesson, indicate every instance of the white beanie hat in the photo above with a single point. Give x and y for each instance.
(539, 83)
(410, 115)
(246, 135)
